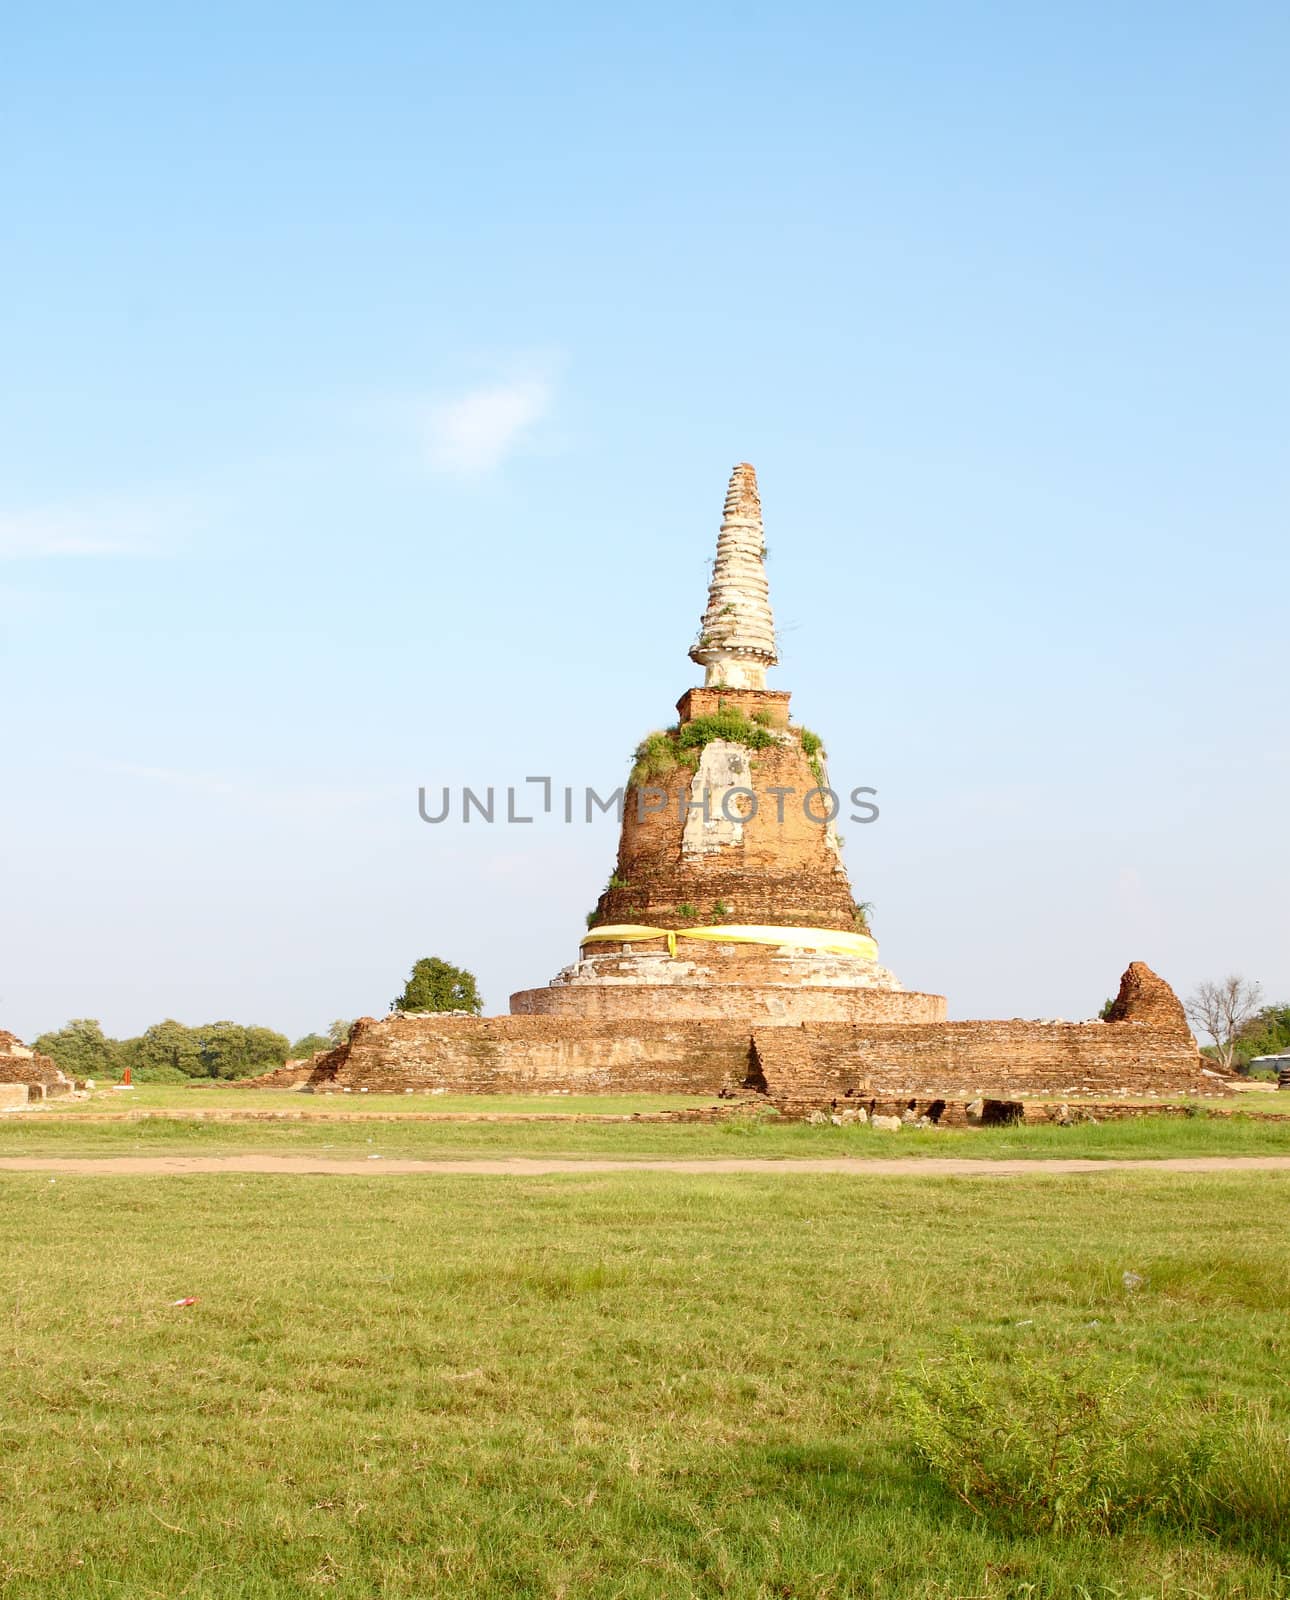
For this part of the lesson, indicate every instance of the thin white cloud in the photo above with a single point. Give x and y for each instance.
(102, 528)
(475, 432)
(169, 775)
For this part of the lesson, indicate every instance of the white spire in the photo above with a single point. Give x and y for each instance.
(737, 640)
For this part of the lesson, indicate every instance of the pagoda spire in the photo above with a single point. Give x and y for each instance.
(736, 641)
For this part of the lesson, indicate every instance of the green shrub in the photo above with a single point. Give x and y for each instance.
(1054, 1446)
(655, 759)
(813, 749)
(728, 723)
(660, 754)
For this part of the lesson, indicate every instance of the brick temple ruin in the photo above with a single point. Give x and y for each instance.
(27, 1076)
(727, 952)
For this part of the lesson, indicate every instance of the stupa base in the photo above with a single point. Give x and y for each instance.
(701, 984)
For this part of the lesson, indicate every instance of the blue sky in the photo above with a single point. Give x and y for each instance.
(371, 385)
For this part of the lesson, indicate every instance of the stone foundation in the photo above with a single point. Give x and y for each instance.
(756, 983)
(812, 1065)
(630, 1003)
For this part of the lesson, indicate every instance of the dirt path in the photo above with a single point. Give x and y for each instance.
(544, 1166)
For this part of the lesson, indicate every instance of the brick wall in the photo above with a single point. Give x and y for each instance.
(809, 1066)
(537, 1055)
(769, 705)
(19, 1064)
(799, 1068)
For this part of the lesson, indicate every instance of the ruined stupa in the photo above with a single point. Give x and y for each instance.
(726, 952)
(729, 897)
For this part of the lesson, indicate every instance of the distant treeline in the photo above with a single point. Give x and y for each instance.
(171, 1052)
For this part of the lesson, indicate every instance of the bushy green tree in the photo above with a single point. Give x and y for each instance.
(339, 1032)
(229, 1050)
(167, 1045)
(309, 1045)
(436, 985)
(1268, 1034)
(81, 1049)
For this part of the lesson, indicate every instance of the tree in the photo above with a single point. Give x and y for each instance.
(229, 1050)
(308, 1046)
(1221, 1010)
(81, 1049)
(166, 1046)
(1267, 1034)
(436, 985)
(339, 1032)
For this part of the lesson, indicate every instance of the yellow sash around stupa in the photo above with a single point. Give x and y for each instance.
(831, 940)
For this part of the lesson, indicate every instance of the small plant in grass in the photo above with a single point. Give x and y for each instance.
(1052, 1446)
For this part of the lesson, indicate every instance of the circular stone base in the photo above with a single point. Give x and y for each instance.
(759, 1005)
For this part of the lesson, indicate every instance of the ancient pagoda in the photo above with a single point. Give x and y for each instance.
(729, 897)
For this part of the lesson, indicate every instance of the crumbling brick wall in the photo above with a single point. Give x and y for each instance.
(817, 1063)
(536, 1055)
(1145, 997)
(20, 1064)
(797, 1067)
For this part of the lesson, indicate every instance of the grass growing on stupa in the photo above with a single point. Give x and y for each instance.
(647, 1386)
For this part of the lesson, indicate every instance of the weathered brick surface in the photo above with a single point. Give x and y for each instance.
(798, 1068)
(770, 705)
(783, 873)
(726, 1001)
(537, 1055)
(20, 1064)
(290, 1075)
(12, 1096)
(1146, 997)
(821, 1062)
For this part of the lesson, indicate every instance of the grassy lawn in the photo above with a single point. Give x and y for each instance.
(44, 1133)
(637, 1386)
(229, 1097)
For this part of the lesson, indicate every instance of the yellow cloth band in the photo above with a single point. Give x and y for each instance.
(828, 939)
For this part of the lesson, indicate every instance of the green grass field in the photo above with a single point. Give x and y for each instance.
(634, 1385)
(199, 1097)
(204, 1096)
(72, 1133)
